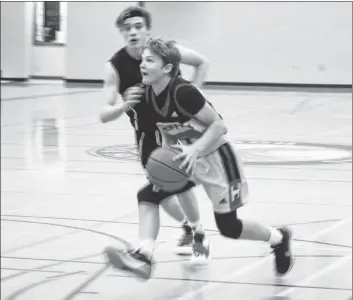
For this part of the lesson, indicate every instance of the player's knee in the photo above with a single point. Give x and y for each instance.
(229, 225)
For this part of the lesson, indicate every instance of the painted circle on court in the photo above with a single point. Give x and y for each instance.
(256, 153)
(123, 152)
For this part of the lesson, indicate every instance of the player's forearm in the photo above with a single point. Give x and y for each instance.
(200, 73)
(113, 112)
(210, 136)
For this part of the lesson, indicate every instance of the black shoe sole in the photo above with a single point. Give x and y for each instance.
(290, 268)
(290, 234)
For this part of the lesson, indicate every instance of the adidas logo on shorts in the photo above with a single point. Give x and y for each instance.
(174, 115)
(223, 201)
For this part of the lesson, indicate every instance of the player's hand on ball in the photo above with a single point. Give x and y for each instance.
(188, 156)
(156, 189)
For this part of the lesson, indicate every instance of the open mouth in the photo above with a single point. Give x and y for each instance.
(133, 41)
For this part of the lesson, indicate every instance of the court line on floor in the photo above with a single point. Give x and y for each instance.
(23, 290)
(333, 227)
(74, 227)
(163, 261)
(143, 174)
(235, 283)
(76, 231)
(105, 160)
(83, 285)
(324, 243)
(215, 231)
(68, 118)
(62, 273)
(30, 97)
(164, 226)
(191, 295)
(40, 242)
(32, 270)
(316, 275)
(94, 135)
(49, 239)
(56, 263)
(125, 243)
(104, 195)
(101, 270)
(48, 224)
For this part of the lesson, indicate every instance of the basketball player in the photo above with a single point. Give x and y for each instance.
(122, 75)
(189, 123)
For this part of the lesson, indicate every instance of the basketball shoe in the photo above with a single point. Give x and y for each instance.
(131, 260)
(184, 246)
(200, 249)
(284, 258)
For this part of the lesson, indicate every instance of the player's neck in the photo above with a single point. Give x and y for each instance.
(159, 87)
(135, 53)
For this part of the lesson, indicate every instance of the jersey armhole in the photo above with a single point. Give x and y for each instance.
(182, 110)
(116, 72)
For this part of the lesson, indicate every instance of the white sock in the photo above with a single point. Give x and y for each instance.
(276, 237)
(147, 248)
(197, 226)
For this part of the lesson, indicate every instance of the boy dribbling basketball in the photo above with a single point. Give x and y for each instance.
(190, 124)
(122, 82)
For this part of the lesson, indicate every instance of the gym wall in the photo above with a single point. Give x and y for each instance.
(277, 42)
(15, 40)
(92, 37)
(246, 42)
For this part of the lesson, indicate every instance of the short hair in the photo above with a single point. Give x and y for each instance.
(133, 11)
(167, 51)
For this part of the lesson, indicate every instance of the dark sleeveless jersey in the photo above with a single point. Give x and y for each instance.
(146, 133)
(174, 109)
(128, 69)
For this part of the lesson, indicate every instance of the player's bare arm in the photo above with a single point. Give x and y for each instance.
(215, 128)
(115, 106)
(198, 61)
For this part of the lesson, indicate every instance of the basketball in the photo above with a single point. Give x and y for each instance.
(165, 173)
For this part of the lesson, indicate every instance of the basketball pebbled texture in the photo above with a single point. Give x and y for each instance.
(165, 173)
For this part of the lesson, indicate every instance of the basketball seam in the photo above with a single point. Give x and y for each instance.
(169, 167)
(162, 180)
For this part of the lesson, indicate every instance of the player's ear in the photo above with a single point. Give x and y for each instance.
(168, 68)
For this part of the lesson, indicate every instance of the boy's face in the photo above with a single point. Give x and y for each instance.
(135, 32)
(153, 68)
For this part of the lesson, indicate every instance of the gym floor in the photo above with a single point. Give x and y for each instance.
(69, 182)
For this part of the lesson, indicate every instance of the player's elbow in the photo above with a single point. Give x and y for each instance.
(199, 62)
(104, 117)
(204, 63)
